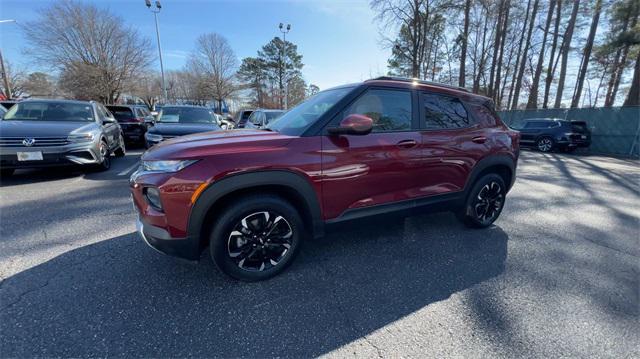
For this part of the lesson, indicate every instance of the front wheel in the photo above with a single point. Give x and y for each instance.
(121, 151)
(105, 157)
(256, 238)
(484, 202)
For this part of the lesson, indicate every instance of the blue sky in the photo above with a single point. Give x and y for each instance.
(339, 40)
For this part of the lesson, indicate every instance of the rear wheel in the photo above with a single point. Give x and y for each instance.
(545, 144)
(485, 202)
(256, 238)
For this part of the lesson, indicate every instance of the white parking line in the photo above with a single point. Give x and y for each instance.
(129, 169)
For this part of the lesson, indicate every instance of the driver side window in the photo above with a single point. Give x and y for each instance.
(390, 110)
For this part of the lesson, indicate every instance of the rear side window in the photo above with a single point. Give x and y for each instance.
(121, 113)
(485, 115)
(390, 110)
(444, 112)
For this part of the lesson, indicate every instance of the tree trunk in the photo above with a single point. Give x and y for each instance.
(533, 94)
(503, 40)
(566, 45)
(465, 40)
(515, 70)
(586, 54)
(551, 69)
(523, 60)
(633, 98)
(496, 48)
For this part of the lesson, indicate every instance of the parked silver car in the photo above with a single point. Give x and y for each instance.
(44, 133)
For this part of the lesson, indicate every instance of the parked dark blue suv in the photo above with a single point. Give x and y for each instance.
(548, 134)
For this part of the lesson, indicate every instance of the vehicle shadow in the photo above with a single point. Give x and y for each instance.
(119, 298)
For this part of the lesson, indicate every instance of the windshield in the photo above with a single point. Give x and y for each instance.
(50, 111)
(186, 115)
(298, 119)
(121, 113)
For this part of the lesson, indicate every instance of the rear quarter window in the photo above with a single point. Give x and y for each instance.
(484, 115)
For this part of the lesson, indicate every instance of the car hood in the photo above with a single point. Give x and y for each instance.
(173, 129)
(217, 142)
(11, 128)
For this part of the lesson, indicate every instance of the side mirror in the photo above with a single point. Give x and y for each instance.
(353, 125)
(150, 120)
(108, 120)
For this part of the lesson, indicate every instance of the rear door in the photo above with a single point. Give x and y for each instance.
(374, 169)
(532, 130)
(452, 142)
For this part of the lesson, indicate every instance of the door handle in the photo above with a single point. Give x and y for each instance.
(407, 144)
(479, 139)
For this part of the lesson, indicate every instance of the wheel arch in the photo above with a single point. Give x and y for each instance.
(503, 165)
(291, 186)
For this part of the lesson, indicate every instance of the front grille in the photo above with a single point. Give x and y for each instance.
(37, 141)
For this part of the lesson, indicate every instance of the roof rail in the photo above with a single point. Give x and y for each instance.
(423, 82)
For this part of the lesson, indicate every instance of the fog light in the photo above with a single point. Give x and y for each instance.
(153, 197)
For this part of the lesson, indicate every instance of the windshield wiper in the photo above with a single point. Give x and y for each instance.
(268, 129)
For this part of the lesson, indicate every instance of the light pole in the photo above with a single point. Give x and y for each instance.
(5, 76)
(155, 15)
(284, 32)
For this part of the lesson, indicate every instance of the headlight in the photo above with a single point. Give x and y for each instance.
(153, 137)
(81, 137)
(166, 166)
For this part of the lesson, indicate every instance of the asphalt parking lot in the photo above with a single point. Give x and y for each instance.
(558, 275)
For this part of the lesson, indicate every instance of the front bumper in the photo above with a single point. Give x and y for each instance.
(70, 154)
(160, 240)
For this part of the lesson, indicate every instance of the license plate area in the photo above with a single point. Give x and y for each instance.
(30, 156)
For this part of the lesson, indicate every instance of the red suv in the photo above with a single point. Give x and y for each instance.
(381, 146)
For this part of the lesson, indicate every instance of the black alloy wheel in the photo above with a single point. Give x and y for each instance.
(259, 241)
(545, 144)
(485, 202)
(256, 237)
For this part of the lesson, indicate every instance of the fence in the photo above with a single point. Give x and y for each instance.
(614, 130)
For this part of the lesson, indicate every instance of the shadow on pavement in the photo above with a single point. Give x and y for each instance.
(118, 297)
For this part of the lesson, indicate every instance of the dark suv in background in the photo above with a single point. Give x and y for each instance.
(548, 134)
(387, 145)
(133, 120)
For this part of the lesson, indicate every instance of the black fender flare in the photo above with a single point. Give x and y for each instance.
(490, 161)
(246, 180)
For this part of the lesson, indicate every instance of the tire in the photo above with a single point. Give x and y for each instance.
(6, 172)
(545, 144)
(105, 161)
(238, 244)
(121, 151)
(484, 197)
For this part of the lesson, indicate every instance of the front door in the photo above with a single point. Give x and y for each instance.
(374, 169)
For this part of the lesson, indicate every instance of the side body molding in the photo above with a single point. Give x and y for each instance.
(294, 183)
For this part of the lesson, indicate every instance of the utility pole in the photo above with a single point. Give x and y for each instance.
(155, 15)
(284, 60)
(5, 75)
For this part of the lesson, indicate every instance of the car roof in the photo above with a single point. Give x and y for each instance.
(269, 110)
(404, 82)
(46, 100)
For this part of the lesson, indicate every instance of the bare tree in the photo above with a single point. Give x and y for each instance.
(586, 55)
(91, 43)
(533, 93)
(551, 67)
(407, 14)
(564, 51)
(518, 83)
(465, 41)
(39, 84)
(16, 81)
(214, 59)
